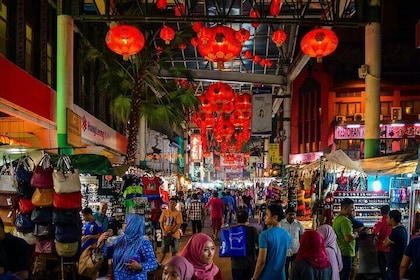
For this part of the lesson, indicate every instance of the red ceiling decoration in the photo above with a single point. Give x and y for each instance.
(167, 34)
(279, 36)
(125, 40)
(318, 43)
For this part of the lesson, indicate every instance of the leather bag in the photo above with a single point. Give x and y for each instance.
(7, 180)
(89, 262)
(67, 233)
(24, 170)
(66, 179)
(23, 223)
(8, 216)
(44, 245)
(29, 237)
(42, 174)
(9, 200)
(43, 197)
(67, 200)
(66, 250)
(43, 230)
(25, 205)
(66, 216)
(42, 215)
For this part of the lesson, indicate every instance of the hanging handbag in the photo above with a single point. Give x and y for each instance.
(42, 175)
(23, 223)
(7, 181)
(233, 242)
(43, 197)
(25, 205)
(24, 170)
(66, 179)
(8, 216)
(29, 237)
(8, 200)
(67, 233)
(42, 215)
(67, 200)
(44, 245)
(43, 230)
(66, 250)
(89, 263)
(66, 216)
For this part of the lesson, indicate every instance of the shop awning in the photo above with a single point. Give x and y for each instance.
(391, 165)
(89, 164)
(341, 158)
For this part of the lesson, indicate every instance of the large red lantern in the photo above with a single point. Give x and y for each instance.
(167, 34)
(318, 43)
(219, 44)
(220, 93)
(125, 40)
(279, 36)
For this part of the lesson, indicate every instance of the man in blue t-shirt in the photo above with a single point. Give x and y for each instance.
(397, 241)
(410, 264)
(92, 229)
(273, 245)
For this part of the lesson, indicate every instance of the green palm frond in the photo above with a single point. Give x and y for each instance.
(120, 108)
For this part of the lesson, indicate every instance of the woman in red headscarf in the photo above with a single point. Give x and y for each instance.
(311, 259)
(200, 251)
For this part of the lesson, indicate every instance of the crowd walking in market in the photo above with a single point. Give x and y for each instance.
(200, 230)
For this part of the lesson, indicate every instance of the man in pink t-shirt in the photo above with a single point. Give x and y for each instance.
(217, 208)
(381, 231)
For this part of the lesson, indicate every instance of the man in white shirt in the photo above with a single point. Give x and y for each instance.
(295, 229)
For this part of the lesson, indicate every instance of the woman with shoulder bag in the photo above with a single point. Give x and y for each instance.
(132, 255)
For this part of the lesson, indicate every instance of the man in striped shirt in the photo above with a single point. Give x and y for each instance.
(194, 211)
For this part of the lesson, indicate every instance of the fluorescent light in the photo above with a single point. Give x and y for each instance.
(353, 125)
(398, 124)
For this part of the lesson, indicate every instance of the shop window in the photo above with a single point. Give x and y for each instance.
(410, 108)
(3, 28)
(28, 48)
(347, 109)
(386, 108)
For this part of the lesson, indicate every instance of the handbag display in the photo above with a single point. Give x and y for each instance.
(66, 179)
(43, 230)
(42, 174)
(25, 205)
(233, 242)
(43, 197)
(42, 215)
(7, 181)
(67, 200)
(66, 250)
(66, 216)
(89, 263)
(23, 223)
(24, 170)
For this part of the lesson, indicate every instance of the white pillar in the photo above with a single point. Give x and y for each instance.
(287, 104)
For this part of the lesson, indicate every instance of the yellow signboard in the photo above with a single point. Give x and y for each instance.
(74, 129)
(274, 153)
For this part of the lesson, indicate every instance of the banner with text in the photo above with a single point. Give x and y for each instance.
(261, 110)
(196, 152)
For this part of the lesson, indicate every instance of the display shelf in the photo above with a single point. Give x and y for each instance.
(366, 204)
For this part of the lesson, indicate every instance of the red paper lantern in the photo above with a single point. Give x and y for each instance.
(243, 102)
(243, 35)
(279, 36)
(161, 4)
(167, 34)
(220, 93)
(206, 154)
(318, 43)
(256, 15)
(219, 44)
(179, 10)
(194, 41)
(275, 7)
(256, 59)
(125, 40)
(247, 54)
(182, 46)
(197, 26)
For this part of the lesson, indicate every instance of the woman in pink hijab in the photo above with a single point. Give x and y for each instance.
(178, 268)
(333, 252)
(200, 251)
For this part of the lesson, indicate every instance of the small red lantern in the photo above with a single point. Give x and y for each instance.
(247, 54)
(242, 35)
(279, 36)
(206, 154)
(256, 15)
(243, 102)
(167, 34)
(275, 7)
(161, 4)
(318, 43)
(194, 42)
(256, 59)
(179, 10)
(182, 46)
(125, 40)
(197, 26)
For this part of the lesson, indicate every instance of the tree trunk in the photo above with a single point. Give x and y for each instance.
(133, 125)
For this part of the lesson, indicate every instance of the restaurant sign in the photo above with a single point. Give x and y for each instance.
(391, 131)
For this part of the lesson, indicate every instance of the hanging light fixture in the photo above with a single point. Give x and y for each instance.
(125, 40)
(318, 43)
(167, 34)
(279, 36)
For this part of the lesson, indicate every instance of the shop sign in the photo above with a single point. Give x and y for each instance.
(196, 152)
(261, 111)
(232, 160)
(74, 129)
(274, 153)
(304, 158)
(109, 186)
(390, 131)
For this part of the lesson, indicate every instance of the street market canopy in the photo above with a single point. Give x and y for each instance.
(341, 158)
(391, 165)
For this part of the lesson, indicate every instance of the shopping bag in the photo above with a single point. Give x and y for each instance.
(43, 197)
(89, 262)
(233, 242)
(66, 179)
(7, 181)
(42, 175)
